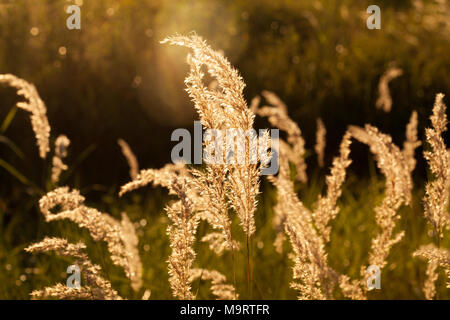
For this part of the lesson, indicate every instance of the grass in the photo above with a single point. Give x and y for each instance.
(349, 245)
(330, 64)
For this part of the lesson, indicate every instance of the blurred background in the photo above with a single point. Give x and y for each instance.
(113, 79)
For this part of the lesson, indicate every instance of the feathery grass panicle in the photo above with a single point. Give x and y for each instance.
(224, 108)
(242, 188)
(391, 162)
(130, 157)
(158, 177)
(225, 186)
(279, 118)
(282, 183)
(326, 206)
(33, 105)
(436, 198)
(384, 100)
(212, 190)
(163, 177)
(437, 191)
(219, 286)
(63, 292)
(411, 142)
(274, 100)
(320, 141)
(254, 104)
(225, 105)
(315, 280)
(95, 287)
(58, 166)
(67, 200)
(432, 275)
(243, 180)
(131, 242)
(60, 246)
(181, 234)
(218, 242)
(435, 257)
(351, 288)
(120, 237)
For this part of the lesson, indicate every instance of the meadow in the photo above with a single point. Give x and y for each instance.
(363, 165)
